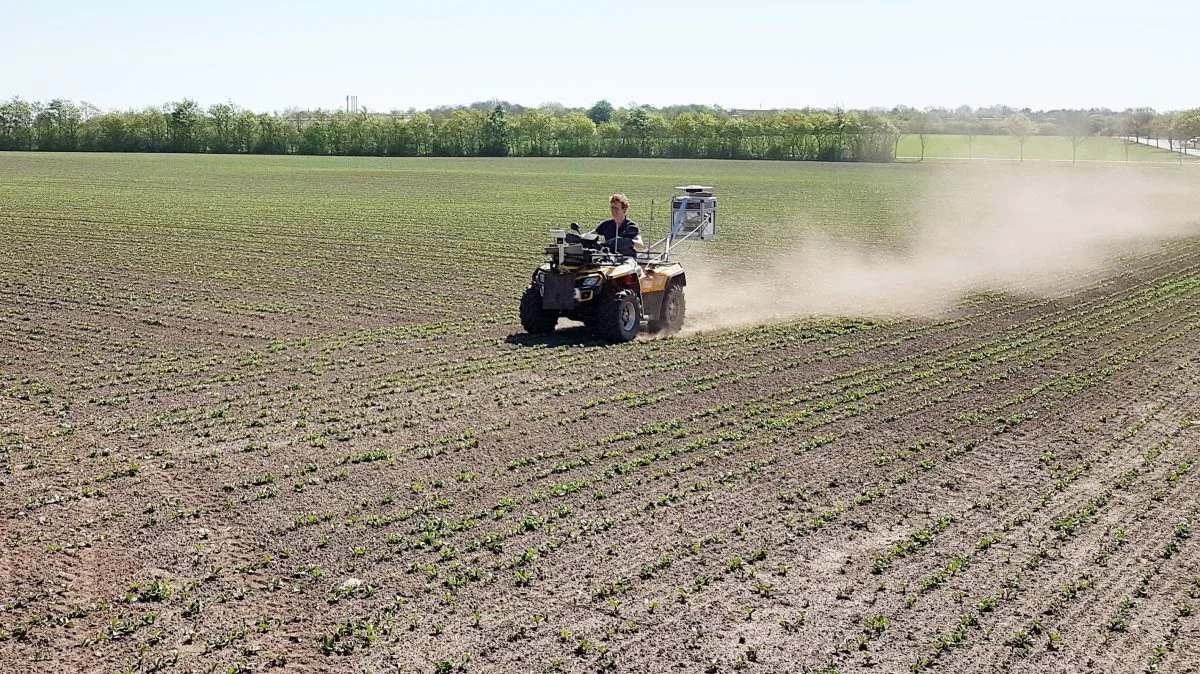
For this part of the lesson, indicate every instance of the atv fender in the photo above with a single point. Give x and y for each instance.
(655, 287)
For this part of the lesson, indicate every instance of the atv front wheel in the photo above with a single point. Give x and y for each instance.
(674, 306)
(535, 319)
(619, 318)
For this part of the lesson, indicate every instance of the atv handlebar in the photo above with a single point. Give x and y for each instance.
(623, 245)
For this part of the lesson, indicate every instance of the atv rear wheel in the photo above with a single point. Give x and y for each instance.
(619, 318)
(674, 306)
(535, 319)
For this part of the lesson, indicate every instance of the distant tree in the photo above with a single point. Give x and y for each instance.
(336, 134)
(1079, 129)
(731, 135)
(43, 129)
(453, 136)
(1185, 127)
(530, 133)
(824, 129)
(575, 134)
(314, 138)
(658, 134)
(1130, 129)
(601, 112)
(220, 127)
(106, 133)
(245, 131)
(636, 129)
(421, 129)
(923, 124)
(398, 140)
(16, 125)
(56, 126)
(360, 135)
(849, 133)
(609, 139)
(274, 135)
(186, 124)
(874, 138)
(150, 130)
(494, 139)
(1187, 124)
(1160, 127)
(693, 134)
(795, 135)
(1138, 122)
(1020, 127)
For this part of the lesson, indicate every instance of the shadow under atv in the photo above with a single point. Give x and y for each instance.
(577, 335)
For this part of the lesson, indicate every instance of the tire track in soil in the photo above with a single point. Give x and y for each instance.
(1145, 527)
(1047, 518)
(1085, 621)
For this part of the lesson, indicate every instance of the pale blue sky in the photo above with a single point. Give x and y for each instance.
(737, 53)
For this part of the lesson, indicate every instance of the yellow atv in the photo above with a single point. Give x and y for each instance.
(617, 292)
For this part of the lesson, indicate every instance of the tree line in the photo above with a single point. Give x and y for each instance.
(506, 129)
(460, 132)
(1138, 123)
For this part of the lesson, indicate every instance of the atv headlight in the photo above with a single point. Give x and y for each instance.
(591, 281)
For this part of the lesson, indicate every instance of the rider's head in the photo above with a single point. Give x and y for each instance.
(618, 204)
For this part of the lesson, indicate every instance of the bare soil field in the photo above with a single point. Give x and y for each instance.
(275, 415)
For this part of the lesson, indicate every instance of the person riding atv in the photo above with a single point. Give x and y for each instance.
(621, 236)
(612, 282)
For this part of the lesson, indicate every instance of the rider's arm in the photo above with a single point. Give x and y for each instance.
(634, 235)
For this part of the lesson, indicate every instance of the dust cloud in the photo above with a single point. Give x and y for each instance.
(1023, 230)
